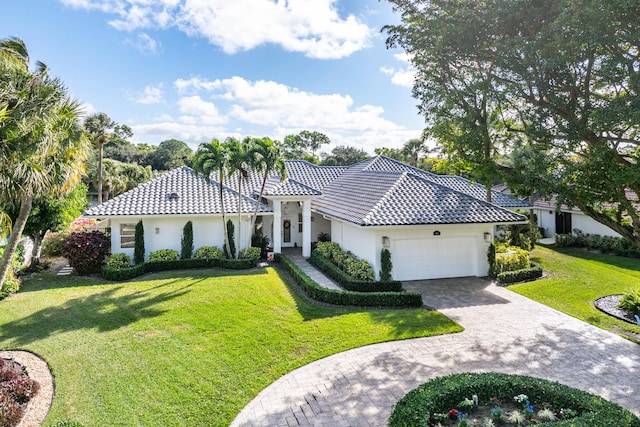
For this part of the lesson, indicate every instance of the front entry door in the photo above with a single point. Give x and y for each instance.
(286, 232)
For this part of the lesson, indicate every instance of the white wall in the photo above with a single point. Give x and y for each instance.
(366, 242)
(547, 220)
(207, 231)
(319, 225)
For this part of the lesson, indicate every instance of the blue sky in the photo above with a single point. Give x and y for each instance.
(200, 69)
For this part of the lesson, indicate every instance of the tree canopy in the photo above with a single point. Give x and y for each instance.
(543, 94)
(42, 145)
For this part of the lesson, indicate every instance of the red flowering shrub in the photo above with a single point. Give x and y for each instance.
(16, 389)
(86, 251)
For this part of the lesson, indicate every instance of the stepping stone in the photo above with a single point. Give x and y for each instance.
(65, 271)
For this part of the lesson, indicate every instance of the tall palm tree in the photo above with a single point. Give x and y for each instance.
(98, 127)
(209, 158)
(265, 156)
(238, 161)
(41, 143)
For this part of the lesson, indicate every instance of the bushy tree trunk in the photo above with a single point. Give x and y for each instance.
(12, 244)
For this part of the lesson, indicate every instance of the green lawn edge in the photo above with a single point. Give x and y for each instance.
(189, 347)
(581, 277)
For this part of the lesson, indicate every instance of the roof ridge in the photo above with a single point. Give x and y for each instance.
(386, 196)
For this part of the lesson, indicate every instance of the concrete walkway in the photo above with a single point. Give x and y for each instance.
(504, 332)
(319, 277)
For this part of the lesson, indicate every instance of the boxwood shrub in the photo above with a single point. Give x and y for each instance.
(442, 394)
(339, 297)
(533, 272)
(619, 246)
(348, 282)
(356, 268)
(117, 274)
(164, 255)
(208, 252)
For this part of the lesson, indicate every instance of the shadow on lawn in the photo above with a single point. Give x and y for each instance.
(104, 311)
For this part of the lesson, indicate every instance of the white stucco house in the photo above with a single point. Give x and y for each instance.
(435, 226)
(555, 219)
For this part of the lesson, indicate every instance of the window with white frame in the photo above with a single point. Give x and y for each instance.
(127, 235)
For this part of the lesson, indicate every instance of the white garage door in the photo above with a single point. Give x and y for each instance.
(435, 258)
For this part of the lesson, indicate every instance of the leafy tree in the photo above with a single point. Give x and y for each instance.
(231, 248)
(42, 146)
(138, 248)
(212, 157)
(393, 153)
(171, 154)
(557, 78)
(265, 157)
(304, 145)
(100, 128)
(122, 150)
(50, 213)
(343, 155)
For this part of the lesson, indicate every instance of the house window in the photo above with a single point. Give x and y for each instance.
(127, 235)
(300, 223)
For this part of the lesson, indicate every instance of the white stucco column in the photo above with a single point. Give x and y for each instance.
(306, 228)
(277, 226)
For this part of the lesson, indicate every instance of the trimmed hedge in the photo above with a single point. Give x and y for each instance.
(619, 246)
(117, 274)
(530, 273)
(336, 297)
(347, 282)
(440, 395)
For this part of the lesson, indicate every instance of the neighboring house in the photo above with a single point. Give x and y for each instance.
(435, 226)
(553, 219)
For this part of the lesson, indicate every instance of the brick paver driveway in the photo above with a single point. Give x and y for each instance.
(504, 332)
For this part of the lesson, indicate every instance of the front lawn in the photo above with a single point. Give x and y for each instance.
(576, 278)
(188, 348)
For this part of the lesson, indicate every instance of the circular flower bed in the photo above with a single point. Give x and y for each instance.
(437, 401)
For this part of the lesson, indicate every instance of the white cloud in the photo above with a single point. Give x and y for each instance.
(312, 27)
(195, 84)
(402, 76)
(196, 110)
(260, 108)
(145, 44)
(150, 95)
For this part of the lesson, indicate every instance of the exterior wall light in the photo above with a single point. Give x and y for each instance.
(157, 230)
(487, 237)
(385, 241)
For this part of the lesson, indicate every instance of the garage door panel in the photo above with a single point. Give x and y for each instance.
(434, 258)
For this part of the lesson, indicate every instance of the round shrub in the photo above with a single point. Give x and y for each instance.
(205, 252)
(52, 243)
(442, 394)
(119, 260)
(164, 255)
(250, 253)
(86, 251)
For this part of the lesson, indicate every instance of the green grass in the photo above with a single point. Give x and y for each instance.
(187, 348)
(576, 278)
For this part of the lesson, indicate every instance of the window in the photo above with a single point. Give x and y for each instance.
(127, 235)
(300, 222)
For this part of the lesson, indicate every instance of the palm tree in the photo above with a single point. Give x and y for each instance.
(97, 126)
(41, 143)
(265, 156)
(209, 158)
(237, 152)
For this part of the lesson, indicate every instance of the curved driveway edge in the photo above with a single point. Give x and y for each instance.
(504, 332)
